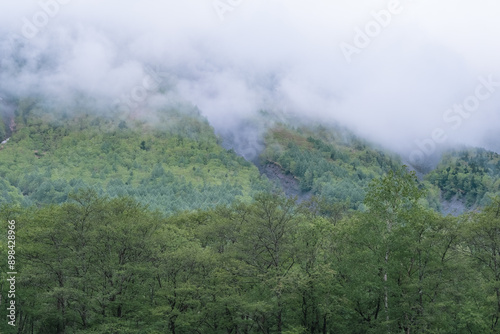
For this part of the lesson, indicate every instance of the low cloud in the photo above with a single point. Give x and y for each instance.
(276, 55)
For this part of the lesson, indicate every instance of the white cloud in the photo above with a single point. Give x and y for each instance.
(269, 54)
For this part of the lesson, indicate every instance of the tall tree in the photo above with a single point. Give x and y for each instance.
(266, 248)
(391, 200)
(482, 240)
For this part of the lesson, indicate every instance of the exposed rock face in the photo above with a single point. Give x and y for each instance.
(286, 181)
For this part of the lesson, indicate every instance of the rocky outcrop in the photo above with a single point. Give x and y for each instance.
(286, 181)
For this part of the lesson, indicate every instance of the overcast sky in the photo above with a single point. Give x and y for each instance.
(390, 70)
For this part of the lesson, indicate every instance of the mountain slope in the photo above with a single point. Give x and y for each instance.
(174, 163)
(328, 162)
(470, 176)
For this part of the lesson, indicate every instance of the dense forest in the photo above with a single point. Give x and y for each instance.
(333, 163)
(111, 265)
(131, 226)
(472, 175)
(172, 164)
(249, 167)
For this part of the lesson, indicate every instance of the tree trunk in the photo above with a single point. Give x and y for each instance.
(280, 315)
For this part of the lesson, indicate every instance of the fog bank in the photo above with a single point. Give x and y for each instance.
(411, 75)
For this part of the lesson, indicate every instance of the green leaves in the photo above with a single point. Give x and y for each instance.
(337, 166)
(482, 245)
(470, 176)
(174, 166)
(395, 192)
(84, 261)
(98, 264)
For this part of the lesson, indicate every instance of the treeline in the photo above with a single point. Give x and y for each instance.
(111, 265)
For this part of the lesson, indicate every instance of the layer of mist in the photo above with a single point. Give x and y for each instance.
(392, 71)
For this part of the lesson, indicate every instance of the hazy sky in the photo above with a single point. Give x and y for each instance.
(396, 72)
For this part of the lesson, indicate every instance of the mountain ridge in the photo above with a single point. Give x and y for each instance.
(300, 160)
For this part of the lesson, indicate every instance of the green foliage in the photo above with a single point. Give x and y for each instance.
(338, 166)
(482, 241)
(176, 165)
(471, 175)
(122, 227)
(105, 265)
(9, 193)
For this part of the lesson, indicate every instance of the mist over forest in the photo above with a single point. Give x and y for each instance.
(249, 166)
(287, 57)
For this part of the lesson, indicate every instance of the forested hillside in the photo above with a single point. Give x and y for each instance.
(172, 163)
(110, 265)
(249, 167)
(131, 226)
(332, 163)
(470, 175)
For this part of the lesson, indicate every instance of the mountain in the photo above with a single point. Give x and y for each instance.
(330, 163)
(173, 163)
(152, 223)
(173, 160)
